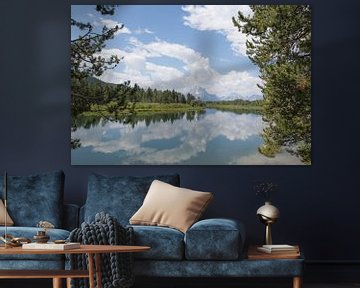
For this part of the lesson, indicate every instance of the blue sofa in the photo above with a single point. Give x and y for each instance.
(210, 248)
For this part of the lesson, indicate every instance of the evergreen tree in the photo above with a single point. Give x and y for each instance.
(280, 45)
(85, 58)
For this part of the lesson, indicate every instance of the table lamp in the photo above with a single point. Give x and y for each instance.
(268, 214)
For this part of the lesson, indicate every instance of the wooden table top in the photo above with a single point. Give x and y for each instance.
(91, 249)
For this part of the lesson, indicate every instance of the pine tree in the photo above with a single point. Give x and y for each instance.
(280, 45)
(85, 58)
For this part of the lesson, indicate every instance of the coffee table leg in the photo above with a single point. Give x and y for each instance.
(68, 282)
(91, 270)
(297, 282)
(57, 283)
(98, 270)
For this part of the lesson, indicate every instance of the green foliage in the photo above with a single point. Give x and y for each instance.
(237, 106)
(280, 44)
(106, 9)
(87, 120)
(138, 109)
(86, 60)
(112, 100)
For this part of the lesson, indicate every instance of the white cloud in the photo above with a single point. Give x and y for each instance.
(218, 18)
(112, 24)
(234, 84)
(140, 31)
(161, 73)
(107, 53)
(193, 71)
(177, 51)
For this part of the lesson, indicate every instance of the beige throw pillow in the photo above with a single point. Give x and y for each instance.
(170, 206)
(9, 221)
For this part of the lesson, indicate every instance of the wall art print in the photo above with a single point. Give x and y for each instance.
(191, 85)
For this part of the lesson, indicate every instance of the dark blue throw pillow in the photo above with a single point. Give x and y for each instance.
(35, 198)
(120, 196)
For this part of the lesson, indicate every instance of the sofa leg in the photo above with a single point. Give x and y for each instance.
(297, 282)
(57, 283)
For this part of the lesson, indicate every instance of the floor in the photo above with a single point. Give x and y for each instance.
(279, 285)
(240, 283)
(247, 284)
(47, 284)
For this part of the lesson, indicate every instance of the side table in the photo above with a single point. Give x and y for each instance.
(288, 259)
(93, 251)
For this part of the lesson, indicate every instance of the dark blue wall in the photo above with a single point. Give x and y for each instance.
(318, 204)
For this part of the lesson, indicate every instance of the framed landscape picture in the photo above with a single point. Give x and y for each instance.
(191, 85)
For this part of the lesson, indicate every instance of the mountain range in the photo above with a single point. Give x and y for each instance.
(201, 93)
(197, 91)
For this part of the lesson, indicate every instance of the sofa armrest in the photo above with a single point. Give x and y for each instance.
(215, 239)
(71, 216)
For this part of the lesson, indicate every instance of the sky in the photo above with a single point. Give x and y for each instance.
(188, 48)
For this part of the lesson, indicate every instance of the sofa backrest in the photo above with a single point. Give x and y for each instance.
(120, 196)
(70, 219)
(35, 198)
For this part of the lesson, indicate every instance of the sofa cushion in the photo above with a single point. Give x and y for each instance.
(29, 232)
(35, 198)
(9, 221)
(214, 239)
(169, 206)
(120, 196)
(165, 243)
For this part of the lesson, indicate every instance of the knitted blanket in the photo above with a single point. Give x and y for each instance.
(116, 268)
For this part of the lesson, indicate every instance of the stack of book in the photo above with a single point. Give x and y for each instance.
(51, 246)
(274, 252)
(279, 249)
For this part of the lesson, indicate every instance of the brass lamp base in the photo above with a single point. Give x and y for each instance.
(268, 238)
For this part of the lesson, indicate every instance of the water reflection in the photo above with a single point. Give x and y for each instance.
(88, 122)
(211, 137)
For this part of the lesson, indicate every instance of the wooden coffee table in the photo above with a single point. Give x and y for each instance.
(92, 251)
